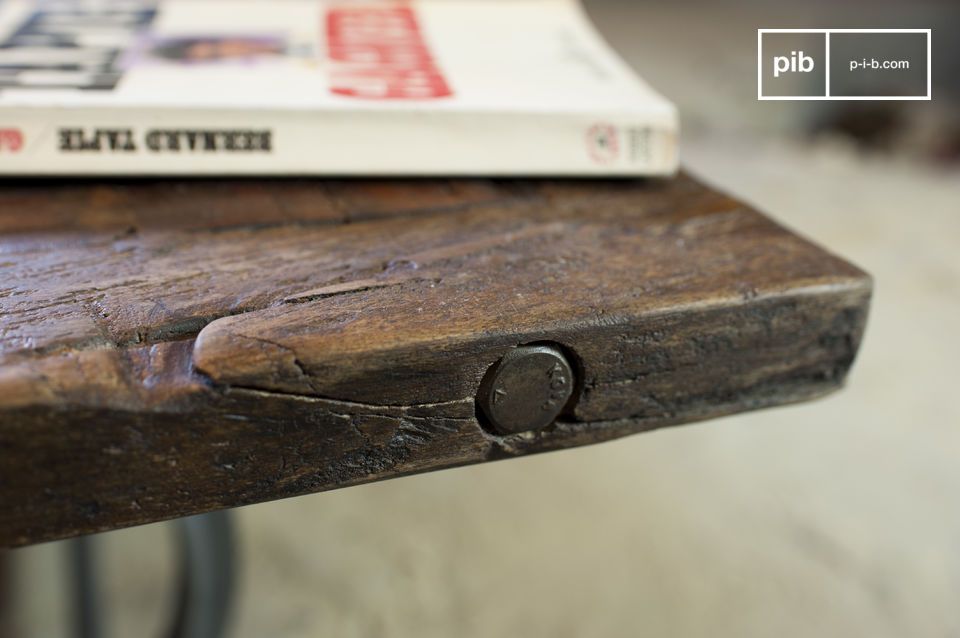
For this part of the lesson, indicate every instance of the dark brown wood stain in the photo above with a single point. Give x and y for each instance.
(169, 348)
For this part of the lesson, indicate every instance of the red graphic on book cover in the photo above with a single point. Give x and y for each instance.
(603, 143)
(11, 140)
(378, 52)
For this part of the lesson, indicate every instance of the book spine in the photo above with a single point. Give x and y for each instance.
(170, 141)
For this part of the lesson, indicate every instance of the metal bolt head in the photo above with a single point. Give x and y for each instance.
(526, 389)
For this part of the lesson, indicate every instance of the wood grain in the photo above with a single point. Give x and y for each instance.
(168, 348)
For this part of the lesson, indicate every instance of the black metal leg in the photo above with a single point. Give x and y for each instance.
(88, 618)
(206, 546)
(206, 578)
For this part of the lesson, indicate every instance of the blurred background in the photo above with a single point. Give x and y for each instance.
(834, 518)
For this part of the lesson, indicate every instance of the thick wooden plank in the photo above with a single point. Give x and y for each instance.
(172, 348)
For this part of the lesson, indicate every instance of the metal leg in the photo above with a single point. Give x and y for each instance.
(206, 577)
(88, 617)
(205, 586)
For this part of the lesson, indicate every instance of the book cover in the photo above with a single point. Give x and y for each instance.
(313, 87)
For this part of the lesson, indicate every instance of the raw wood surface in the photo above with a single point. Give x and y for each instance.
(169, 348)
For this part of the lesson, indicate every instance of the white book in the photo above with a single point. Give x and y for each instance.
(314, 87)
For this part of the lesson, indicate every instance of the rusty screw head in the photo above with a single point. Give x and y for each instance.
(526, 389)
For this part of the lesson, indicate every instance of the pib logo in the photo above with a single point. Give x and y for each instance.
(11, 140)
(791, 63)
(797, 62)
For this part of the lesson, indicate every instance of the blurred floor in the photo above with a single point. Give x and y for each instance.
(836, 518)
